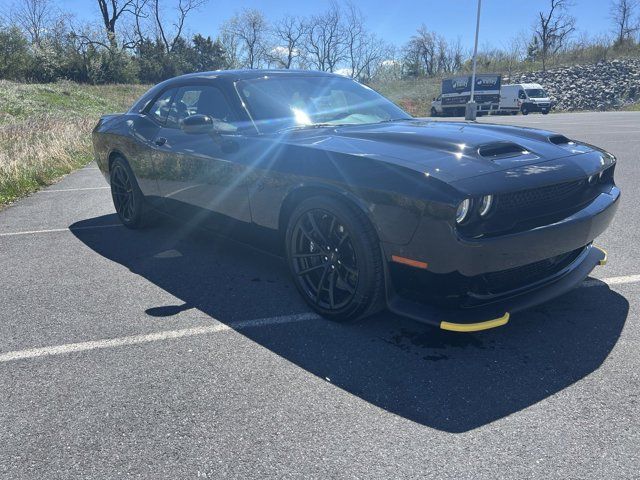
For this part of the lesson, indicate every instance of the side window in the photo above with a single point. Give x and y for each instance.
(522, 95)
(202, 100)
(159, 110)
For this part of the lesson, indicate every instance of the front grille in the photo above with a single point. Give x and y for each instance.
(539, 197)
(514, 278)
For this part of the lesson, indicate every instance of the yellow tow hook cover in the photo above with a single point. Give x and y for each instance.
(475, 327)
(604, 260)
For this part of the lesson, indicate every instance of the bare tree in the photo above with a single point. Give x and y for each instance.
(553, 28)
(248, 31)
(169, 35)
(136, 31)
(325, 44)
(231, 45)
(111, 11)
(456, 53)
(626, 25)
(425, 42)
(34, 17)
(287, 35)
(515, 53)
(365, 51)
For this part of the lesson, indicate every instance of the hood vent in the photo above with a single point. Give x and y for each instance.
(495, 151)
(560, 140)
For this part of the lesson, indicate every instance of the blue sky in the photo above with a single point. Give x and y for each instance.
(396, 20)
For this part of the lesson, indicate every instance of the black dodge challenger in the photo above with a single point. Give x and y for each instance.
(454, 224)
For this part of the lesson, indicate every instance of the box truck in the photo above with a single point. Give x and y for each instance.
(456, 93)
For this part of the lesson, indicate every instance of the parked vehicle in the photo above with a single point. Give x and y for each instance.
(436, 106)
(456, 93)
(454, 224)
(525, 98)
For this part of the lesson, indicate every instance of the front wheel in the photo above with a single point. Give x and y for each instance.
(128, 199)
(525, 110)
(335, 259)
(544, 112)
(434, 112)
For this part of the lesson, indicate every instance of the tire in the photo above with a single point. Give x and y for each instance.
(335, 259)
(524, 110)
(434, 112)
(545, 112)
(128, 200)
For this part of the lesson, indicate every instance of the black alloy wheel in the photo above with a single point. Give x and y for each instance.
(335, 259)
(128, 200)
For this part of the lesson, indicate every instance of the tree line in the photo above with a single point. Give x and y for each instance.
(147, 41)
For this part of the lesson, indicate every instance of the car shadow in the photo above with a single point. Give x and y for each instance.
(449, 381)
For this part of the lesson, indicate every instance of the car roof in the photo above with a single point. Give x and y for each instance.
(254, 73)
(229, 76)
(524, 85)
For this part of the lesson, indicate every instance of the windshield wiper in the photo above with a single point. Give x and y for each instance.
(304, 127)
(401, 119)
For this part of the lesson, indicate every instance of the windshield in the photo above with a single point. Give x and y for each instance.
(297, 102)
(536, 93)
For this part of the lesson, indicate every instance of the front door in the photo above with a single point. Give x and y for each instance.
(202, 174)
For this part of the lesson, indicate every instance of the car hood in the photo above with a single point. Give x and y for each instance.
(449, 151)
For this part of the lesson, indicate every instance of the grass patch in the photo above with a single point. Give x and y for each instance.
(634, 107)
(412, 95)
(45, 130)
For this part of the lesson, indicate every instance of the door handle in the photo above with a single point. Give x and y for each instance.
(160, 141)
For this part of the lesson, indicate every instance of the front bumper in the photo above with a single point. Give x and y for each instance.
(443, 253)
(439, 245)
(538, 107)
(497, 312)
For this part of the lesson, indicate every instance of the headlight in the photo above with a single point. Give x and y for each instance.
(463, 211)
(485, 205)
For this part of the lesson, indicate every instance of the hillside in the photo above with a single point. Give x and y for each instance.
(613, 85)
(412, 94)
(601, 86)
(45, 130)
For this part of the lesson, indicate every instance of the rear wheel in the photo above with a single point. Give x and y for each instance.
(128, 199)
(334, 257)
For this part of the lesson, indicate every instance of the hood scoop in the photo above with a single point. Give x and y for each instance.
(560, 140)
(500, 150)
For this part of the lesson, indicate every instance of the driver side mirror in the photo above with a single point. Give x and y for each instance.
(197, 124)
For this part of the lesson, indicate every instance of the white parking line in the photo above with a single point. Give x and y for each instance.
(55, 230)
(73, 189)
(152, 337)
(611, 280)
(209, 329)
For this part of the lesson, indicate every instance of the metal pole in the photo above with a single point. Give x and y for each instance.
(471, 106)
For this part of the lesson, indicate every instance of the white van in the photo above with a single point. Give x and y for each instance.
(525, 98)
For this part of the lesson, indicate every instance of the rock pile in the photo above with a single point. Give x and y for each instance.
(601, 86)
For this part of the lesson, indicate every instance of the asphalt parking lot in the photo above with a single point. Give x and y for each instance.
(172, 353)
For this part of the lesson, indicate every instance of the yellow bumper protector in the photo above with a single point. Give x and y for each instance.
(604, 260)
(475, 327)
